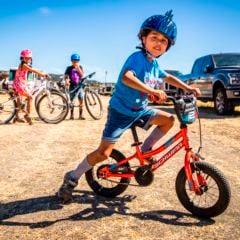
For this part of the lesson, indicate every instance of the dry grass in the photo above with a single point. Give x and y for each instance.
(34, 159)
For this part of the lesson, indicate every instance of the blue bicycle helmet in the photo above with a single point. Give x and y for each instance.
(75, 57)
(162, 24)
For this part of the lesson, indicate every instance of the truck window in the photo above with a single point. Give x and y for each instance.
(197, 66)
(222, 60)
(11, 75)
(207, 62)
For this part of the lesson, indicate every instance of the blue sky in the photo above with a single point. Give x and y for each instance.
(104, 32)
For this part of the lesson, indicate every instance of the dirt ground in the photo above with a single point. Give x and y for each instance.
(35, 158)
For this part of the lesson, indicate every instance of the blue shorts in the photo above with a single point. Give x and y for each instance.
(117, 123)
(72, 94)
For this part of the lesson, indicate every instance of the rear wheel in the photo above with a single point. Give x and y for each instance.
(221, 103)
(7, 107)
(214, 196)
(110, 187)
(52, 108)
(93, 104)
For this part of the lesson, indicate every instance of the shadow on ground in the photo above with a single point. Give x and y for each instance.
(100, 207)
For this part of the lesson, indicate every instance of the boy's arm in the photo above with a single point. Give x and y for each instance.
(67, 79)
(131, 81)
(80, 70)
(172, 80)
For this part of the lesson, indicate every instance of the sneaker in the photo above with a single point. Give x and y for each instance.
(18, 119)
(66, 190)
(28, 119)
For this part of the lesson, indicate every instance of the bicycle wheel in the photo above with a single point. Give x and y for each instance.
(53, 108)
(7, 107)
(215, 194)
(40, 94)
(93, 104)
(110, 187)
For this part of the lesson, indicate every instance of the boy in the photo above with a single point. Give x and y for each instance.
(136, 81)
(73, 75)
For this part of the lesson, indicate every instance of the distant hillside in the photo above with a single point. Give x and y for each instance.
(57, 77)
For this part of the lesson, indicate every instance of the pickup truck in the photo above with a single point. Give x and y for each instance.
(218, 78)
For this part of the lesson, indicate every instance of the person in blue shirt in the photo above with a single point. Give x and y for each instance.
(137, 79)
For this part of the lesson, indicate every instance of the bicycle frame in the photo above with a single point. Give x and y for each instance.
(183, 135)
(76, 92)
(39, 89)
(77, 89)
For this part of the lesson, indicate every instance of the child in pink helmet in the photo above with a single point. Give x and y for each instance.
(20, 83)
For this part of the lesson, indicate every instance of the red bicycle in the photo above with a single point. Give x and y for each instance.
(201, 188)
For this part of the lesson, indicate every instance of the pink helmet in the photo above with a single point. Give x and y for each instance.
(26, 53)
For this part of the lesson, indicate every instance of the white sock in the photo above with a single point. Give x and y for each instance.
(83, 167)
(149, 142)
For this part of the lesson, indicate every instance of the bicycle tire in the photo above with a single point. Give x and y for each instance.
(194, 205)
(7, 107)
(43, 104)
(40, 94)
(98, 188)
(93, 102)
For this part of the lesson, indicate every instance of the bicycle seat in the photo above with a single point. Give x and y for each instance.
(139, 123)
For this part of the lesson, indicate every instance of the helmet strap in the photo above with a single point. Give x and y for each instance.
(146, 52)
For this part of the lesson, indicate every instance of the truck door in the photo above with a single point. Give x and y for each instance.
(205, 77)
(196, 73)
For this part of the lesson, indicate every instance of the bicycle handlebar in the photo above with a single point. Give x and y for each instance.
(88, 76)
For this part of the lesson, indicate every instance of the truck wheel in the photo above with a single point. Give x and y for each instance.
(221, 104)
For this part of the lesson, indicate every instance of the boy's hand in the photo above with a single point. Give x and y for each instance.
(159, 96)
(67, 82)
(194, 90)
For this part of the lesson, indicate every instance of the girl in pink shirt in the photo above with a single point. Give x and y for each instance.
(20, 84)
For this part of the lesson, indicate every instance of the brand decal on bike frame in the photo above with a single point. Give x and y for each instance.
(168, 155)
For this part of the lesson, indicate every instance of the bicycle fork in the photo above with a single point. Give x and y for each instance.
(195, 180)
(49, 99)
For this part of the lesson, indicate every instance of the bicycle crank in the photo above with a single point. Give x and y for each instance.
(144, 176)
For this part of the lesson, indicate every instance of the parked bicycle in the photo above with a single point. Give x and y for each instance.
(92, 101)
(201, 188)
(8, 100)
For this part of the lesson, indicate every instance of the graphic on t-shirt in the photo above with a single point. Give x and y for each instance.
(75, 76)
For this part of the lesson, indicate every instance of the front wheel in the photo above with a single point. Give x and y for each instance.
(110, 187)
(52, 108)
(93, 104)
(214, 195)
(7, 107)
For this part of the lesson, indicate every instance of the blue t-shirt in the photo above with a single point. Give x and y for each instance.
(130, 101)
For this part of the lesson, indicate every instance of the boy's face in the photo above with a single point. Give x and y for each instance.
(155, 43)
(75, 63)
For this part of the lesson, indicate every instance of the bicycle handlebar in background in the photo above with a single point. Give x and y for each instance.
(88, 76)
